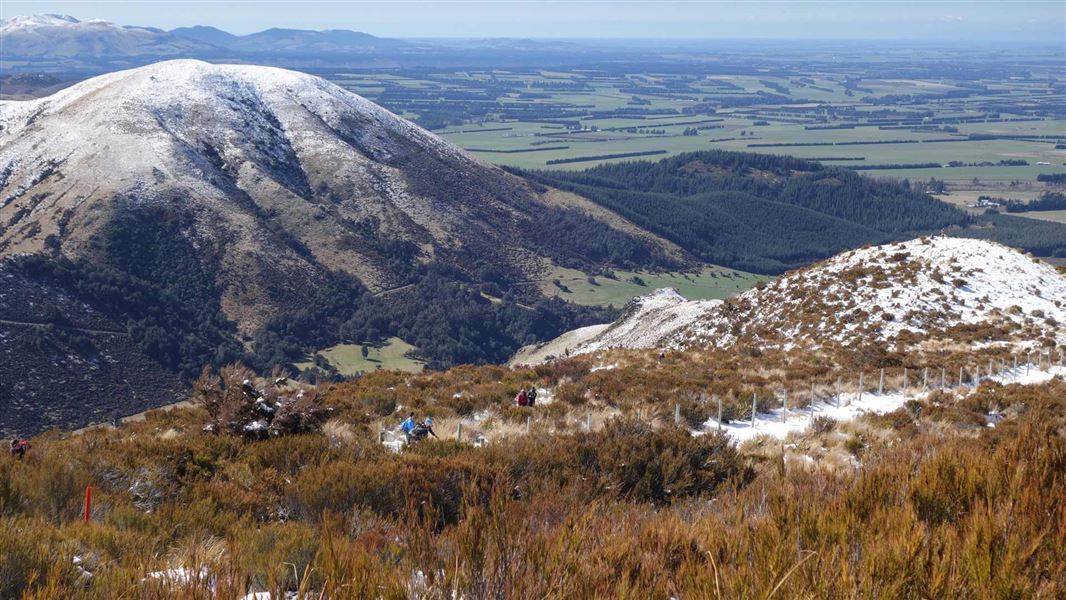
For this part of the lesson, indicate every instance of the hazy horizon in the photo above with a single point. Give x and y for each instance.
(1029, 22)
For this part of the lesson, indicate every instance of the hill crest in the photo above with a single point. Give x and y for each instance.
(932, 290)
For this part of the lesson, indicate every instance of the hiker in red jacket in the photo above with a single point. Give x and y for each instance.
(19, 448)
(520, 399)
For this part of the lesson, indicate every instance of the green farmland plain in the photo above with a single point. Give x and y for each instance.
(530, 119)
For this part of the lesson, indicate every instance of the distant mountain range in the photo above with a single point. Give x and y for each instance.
(45, 36)
(48, 36)
(61, 43)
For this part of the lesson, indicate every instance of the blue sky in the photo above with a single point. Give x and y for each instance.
(975, 20)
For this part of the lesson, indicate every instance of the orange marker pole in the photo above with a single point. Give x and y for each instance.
(88, 503)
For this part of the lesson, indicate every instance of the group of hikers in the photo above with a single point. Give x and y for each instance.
(526, 397)
(414, 431)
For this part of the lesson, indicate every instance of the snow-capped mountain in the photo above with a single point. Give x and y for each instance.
(41, 37)
(938, 289)
(63, 36)
(273, 177)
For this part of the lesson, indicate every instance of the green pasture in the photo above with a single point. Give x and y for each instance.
(711, 283)
(1055, 216)
(348, 358)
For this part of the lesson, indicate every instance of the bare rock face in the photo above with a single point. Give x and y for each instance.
(269, 177)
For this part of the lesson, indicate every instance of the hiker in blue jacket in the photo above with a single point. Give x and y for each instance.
(408, 426)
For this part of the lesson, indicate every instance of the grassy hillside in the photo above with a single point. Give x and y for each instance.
(925, 501)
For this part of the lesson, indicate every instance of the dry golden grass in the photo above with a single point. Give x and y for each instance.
(925, 502)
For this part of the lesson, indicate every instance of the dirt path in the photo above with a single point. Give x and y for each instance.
(393, 290)
(134, 417)
(81, 329)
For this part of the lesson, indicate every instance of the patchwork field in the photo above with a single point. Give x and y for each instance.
(574, 119)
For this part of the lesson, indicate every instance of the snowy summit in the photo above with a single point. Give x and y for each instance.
(939, 287)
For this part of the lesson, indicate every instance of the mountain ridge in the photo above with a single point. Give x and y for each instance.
(926, 291)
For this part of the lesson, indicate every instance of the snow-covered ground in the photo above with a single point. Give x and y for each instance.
(849, 406)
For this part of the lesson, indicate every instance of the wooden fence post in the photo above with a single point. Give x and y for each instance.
(960, 376)
(677, 415)
(719, 399)
(588, 422)
(459, 432)
(784, 406)
(86, 514)
(904, 382)
(943, 378)
(753, 411)
(529, 423)
(925, 379)
(859, 399)
(881, 386)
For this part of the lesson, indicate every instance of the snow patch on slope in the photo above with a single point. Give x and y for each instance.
(779, 423)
